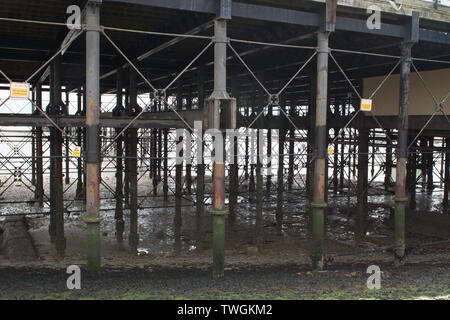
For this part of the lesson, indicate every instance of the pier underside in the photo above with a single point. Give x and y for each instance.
(109, 142)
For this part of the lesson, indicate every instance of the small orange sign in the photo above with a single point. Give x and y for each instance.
(20, 90)
(366, 104)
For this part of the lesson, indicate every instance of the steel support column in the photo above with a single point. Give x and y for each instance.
(166, 166)
(219, 211)
(402, 155)
(178, 195)
(430, 164)
(33, 142)
(234, 166)
(39, 190)
(388, 163)
(92, 217)
(67, 158)
(336, 161)
(188, 174)
(79, 190)
(446, 176)
(412, 173)
(363, 162)
(318, 204)
(259, 220)
(200, 194)
(132, 144)
(56, 167)
(118, 215)
(280, 180)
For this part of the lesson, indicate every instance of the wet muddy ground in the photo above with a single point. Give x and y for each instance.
(424, 281)
(277, 257)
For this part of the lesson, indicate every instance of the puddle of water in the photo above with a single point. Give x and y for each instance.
(156, 219)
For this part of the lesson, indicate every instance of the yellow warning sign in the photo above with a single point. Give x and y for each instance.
(20, 90)
(366, 104)
(76, 152)
(330, 150)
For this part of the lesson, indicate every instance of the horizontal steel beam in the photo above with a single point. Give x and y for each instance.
(304, 18)
(170, 120)
(147, 120)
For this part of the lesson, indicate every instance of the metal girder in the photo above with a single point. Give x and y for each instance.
(79, 121)
(265, 13)
(168, 120)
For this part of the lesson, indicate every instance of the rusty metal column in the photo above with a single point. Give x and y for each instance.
(412, 36)
(430, 164)
(269, 152)
(280, 180)
(39, 191)
(200, 194)
(154, 160)
(446, 176)
(411, 173)
(291, 151)
(247, 158)
(259, 220)
(311, 136)
(363, 162)
(177, 221)
(219, 211)
(336, 160)
(79, 190)
(67, 158)
(166, 166)
(56, 227)
(234, 166)
(388, 163)
(118, 214)
(318, 204)
(132, 143)
(92, 217)
(188, 174)
(83, 112)
(33, 141)
(252, 183)
(402, 155)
